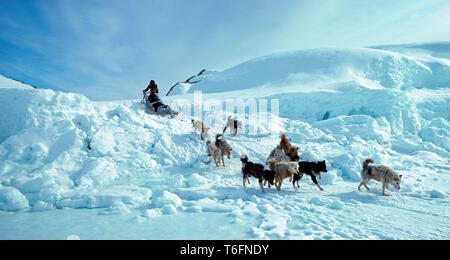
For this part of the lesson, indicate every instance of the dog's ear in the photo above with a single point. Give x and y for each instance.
(400, 176)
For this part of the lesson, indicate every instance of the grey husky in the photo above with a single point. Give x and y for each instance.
(379, 173)
(224, 148)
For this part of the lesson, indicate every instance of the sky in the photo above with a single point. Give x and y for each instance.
(110, 49)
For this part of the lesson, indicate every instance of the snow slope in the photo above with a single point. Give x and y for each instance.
(69, 166)
(391, 67)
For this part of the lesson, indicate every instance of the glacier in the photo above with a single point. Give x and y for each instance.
(107, 170)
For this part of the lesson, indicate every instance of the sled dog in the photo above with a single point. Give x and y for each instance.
(200, 127)
(312, 169)
(282, 171)
(214, 152)
(379, 173)
(277, 155)
(233, 124)
(288, 149)
(224, 148)
(257, 171)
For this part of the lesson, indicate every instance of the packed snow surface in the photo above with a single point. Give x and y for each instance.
(72, 168)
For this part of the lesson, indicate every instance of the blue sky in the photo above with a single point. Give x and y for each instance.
(109, 50)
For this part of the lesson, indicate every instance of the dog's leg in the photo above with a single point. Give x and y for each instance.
(261, 185)
(364, 182)
(243, 183)
(361, 184)
(217, 164)
(296, 182)
(313, 178)
(300, 176)
(223, 161)
(216, 161)
(320, 188)
(276, 183)
(384, 187)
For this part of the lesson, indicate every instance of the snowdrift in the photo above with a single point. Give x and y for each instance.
(370, 67)
(62, 151)
(410, 92)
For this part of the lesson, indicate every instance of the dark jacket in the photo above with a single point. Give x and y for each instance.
(152, 88)
(154, 97)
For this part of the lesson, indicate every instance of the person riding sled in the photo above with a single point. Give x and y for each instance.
(154, 101)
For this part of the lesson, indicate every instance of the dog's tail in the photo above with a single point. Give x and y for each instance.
(218, 136)
(283, 136)
(272, 161)
(367, 161)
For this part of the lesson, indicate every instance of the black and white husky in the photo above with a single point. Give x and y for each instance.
(312, 169)
(257, 171)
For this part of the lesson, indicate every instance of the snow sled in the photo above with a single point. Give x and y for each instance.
(157, 107)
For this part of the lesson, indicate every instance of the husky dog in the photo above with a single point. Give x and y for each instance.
(379, 173)
(282, 171)
(200, 127)
(223, 147)
(277, 155)
(257, 171)
(288, 149)
(233, 124)
(313, 169)
(214, 152)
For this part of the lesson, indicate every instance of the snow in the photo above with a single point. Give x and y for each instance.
(72, 168)
(12, 199)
